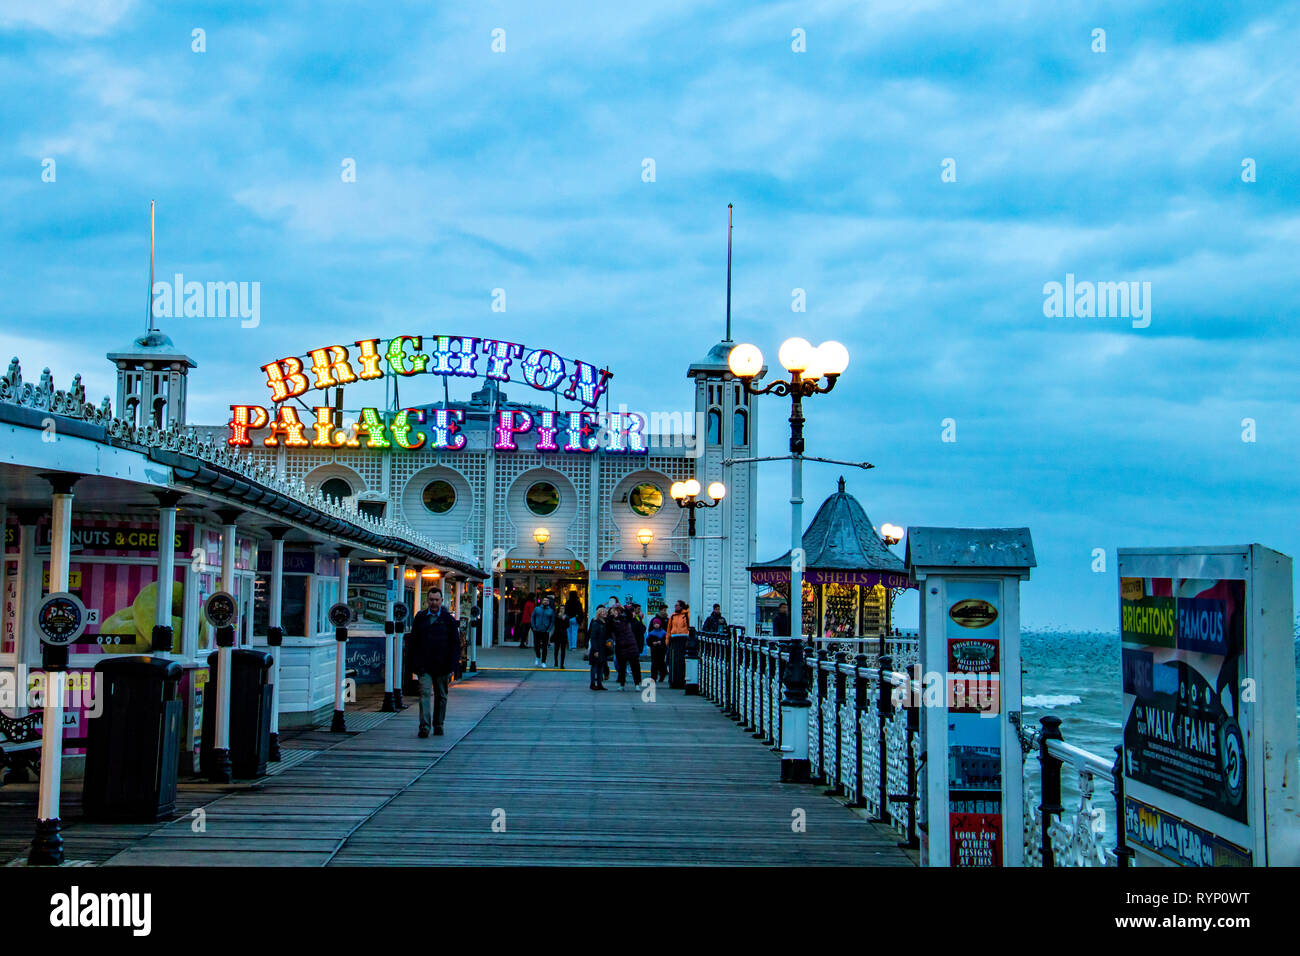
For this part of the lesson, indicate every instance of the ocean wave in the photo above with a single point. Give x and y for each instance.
(1050, 701)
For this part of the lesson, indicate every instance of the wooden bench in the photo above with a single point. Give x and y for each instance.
(20, 746)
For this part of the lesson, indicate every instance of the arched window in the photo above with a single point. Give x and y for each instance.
(336, 488)
(740, 431)
(715, 427)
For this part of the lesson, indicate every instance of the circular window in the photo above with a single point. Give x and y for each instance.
(542, 498)
(439, 496)
(646, 499)
(336, 488)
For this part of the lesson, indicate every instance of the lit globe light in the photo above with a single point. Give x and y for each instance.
(816, 367)
(541, 536)
(690, 488)
(795, 354)
(891, 533)
(717, 491)
(645, 536)
(745, 361)
(834, 358)
(675, 491)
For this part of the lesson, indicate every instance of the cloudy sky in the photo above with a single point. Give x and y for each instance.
(523, 170)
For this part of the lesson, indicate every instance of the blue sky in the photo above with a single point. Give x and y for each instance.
(522, 170)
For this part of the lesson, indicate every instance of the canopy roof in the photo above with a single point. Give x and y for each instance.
(841, 538)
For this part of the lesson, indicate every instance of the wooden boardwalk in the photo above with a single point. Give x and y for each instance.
(535, 769)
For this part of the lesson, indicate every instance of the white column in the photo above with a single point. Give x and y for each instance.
(796, 546)
(47, 847)
(697, 574)
(466, 606)
(274, 609)
(489, 545)
(24, 598)
(397, 640)
(221, 734)
(389, 664)
(166, 559)
(340, 650)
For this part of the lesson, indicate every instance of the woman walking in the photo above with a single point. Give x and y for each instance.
(573, 611)
(596, 649)
(558, 638)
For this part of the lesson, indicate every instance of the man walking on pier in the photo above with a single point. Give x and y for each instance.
(435, 652)
(542, 622)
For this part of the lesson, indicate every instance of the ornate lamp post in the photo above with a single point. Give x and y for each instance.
(807, 366)
(686, 494)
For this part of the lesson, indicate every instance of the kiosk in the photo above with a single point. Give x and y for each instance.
(1208, 660)
(972, 784)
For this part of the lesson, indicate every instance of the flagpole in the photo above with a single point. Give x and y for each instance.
(149, 306)
(728, 272)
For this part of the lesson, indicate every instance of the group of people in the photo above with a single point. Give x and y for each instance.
(617, 630)
(550, 625)
(620, 631)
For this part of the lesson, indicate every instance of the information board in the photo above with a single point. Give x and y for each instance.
(1208, 677)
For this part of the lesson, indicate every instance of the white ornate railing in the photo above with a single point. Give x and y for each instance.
(1077, 836)
(846, 707)
(72, 403)
(858, 735)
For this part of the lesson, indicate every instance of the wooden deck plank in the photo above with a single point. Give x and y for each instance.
(581, 778)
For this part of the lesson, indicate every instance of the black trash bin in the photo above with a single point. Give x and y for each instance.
(250, 713)
(677, 661)
(133, 746)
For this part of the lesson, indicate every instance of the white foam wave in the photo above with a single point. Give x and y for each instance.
(1051, 701)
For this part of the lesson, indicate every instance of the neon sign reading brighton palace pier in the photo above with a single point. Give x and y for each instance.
(334, 366)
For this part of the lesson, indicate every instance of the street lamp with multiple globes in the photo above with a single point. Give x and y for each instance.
(686, 494)
(891, 534)
(807, 367)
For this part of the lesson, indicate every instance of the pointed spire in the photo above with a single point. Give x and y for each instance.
(841, 484)
(728, 338)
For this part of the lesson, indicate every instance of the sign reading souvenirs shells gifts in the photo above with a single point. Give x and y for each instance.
(1208, 667)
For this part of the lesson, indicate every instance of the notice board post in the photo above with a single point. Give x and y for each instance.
(972, 783)
(1208, 671)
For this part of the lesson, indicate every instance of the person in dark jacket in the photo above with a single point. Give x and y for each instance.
(657, 638)
(625, 651)
(596, 649)
(543, 620)
(638, 627)
(559, 637)
(781, 623)
(715, 622)
(435, 652)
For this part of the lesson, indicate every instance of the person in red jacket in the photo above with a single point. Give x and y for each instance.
(526, 622)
